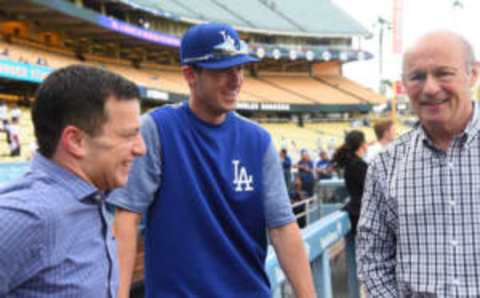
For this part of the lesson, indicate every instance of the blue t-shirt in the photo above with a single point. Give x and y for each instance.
(287, 163)
(323, 164)
(306, 174)
(196, 180)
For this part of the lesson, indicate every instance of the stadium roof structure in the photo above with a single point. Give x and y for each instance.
(85, 29)
(303, 18)
(325, 31)
(81, 27)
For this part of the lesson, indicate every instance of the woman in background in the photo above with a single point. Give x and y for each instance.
(349, 158)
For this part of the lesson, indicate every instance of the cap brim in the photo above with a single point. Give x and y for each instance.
(227, 62)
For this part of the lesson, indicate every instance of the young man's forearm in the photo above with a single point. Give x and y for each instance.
(288, 245)
(126, 232)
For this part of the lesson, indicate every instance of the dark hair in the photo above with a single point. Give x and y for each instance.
(344, 154)
(75, 95)
(381, 127)
(196, 68)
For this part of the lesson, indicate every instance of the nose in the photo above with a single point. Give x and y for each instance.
(139, 147)
(431, 86)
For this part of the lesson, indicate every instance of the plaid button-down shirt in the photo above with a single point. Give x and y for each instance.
(55, 237)
(419, 231)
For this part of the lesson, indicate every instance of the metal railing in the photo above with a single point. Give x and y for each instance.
(318, 238)
(326, 226)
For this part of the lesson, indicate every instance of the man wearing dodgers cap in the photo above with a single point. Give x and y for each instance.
(210, 186)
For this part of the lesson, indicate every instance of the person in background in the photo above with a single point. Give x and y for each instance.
(287, 167)
(13, 133)
(3, 112)
(385, 133)
(15, 112)
(331, 148)
(349, 157)
(305, 172)
(56, 236)
(6, 129)
(323, 167)
(298, 199)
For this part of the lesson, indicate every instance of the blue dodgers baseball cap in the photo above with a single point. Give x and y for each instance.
(213, 46)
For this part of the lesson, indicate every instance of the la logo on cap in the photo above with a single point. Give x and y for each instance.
(228, 41)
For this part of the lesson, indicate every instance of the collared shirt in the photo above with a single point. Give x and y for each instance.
(55, 236)
(419, 230)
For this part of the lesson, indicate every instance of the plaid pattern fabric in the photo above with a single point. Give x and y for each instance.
(55, 236)
(419, 231)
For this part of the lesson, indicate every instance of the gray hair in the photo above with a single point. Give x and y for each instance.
(469, 53)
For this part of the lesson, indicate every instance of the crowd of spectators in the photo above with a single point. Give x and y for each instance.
(5, 54)
(10, 127)
(349, 162)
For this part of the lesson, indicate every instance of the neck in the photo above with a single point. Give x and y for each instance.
(360, 152)
(68, 163)
(205, 114)
(442, 136)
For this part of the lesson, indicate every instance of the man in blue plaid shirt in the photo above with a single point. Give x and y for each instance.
(419, 230)
(55, 233)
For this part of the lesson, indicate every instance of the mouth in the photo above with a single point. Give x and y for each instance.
(433, 102)
(231, 95)
(127, 165)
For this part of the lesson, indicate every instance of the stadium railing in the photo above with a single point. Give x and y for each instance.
(319, 237)
(325, 236)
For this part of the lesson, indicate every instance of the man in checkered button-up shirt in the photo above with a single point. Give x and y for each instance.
(419, 230)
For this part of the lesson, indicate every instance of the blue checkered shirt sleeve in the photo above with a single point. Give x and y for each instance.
(376, 241)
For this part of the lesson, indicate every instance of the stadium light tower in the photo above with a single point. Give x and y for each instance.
(383, 24)
(457, 7)
(457, 4)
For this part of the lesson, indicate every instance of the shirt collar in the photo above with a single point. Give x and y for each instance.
(76, 186)
(473, 126)
(472, 129)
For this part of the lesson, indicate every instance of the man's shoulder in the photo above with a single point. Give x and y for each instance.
(22, 204)
(387, 160)
(35, 192)
(399, 144)
(165, 110)
(248, 123)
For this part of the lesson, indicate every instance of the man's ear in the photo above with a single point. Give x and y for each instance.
(474, 74)
(73, 141)
(188, 74)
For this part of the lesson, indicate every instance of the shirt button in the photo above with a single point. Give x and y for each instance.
(454, 242)
(450, 165)
(455, 282)
(97, 198)
(452, 203)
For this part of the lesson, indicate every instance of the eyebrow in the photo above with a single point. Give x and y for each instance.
(129, 131)
(435, 69)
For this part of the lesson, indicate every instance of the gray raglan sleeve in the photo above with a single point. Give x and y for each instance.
(276, 202)
(145, 175)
